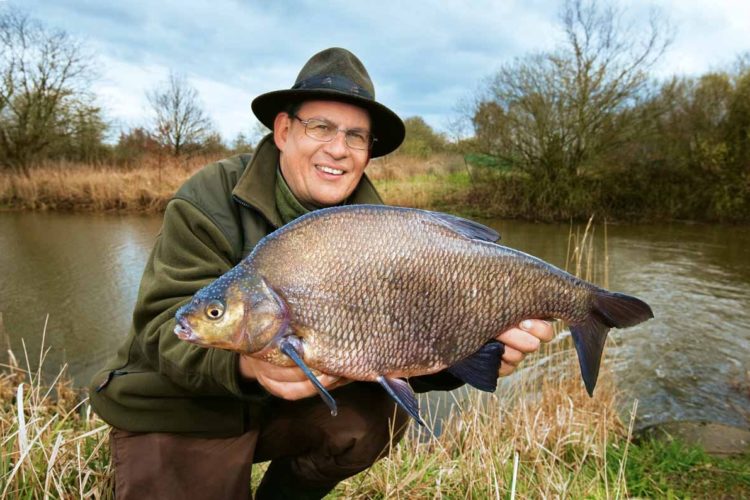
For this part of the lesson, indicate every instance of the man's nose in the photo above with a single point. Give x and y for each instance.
(337, 146)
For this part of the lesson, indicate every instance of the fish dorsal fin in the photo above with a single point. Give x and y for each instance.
(480, 370)
(465, 227)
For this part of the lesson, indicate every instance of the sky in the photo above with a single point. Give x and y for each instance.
(425, 57)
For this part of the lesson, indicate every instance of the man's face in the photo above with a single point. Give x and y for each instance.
(321, 173)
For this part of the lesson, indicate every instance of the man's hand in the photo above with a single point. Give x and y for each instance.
(522, 341)
(285, 382)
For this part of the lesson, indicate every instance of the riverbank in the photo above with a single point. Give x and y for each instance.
(402, 180)
(539, 436)
(444, 182)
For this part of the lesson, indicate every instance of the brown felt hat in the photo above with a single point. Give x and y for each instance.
(336, 74)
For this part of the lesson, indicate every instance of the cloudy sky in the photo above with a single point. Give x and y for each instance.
(423, 56)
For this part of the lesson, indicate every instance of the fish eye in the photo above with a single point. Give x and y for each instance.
(215, 309)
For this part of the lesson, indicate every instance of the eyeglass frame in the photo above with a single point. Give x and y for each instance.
(346, 131)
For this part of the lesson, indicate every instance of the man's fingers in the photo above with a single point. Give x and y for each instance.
(539, 328)
(512, 356)
(520, 340)
(288, 390)
(293, 390)
(506, 369)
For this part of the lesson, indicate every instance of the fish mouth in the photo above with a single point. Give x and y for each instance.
(184, 332)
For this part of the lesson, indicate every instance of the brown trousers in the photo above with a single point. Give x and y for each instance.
(310, 451)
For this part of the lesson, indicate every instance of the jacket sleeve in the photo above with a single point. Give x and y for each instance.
(190, 252)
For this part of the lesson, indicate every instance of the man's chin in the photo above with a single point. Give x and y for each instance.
(329, 199)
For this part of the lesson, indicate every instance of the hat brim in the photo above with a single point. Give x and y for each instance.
(387, 127)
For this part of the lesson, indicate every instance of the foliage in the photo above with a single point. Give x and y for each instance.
(582, 129)
(45, 104)
(673, 469)
(240, 144)
(133, 145)
(421, 140)
(180, 124)
(551, 113)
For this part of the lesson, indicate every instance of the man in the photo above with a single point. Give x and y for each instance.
(188, 422)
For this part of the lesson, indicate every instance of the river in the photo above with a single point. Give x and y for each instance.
(78, 275)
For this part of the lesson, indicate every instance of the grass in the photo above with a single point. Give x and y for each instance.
(437, 183)
(554, 437)
(433, 183)
(472, 185)
(51, 445)
(97, 188)
(672, 469)
(539, 436)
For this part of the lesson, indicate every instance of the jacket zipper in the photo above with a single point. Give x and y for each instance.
(110, 376)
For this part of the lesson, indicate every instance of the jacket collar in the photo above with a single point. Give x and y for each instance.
(256, 187)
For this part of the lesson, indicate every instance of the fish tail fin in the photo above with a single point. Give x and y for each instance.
(610, 310)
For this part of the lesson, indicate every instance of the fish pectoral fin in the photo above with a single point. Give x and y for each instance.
(467, 228)
(289, 345)
(480, 370)
(402, 394)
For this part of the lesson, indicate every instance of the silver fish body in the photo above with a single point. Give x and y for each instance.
(375, 291)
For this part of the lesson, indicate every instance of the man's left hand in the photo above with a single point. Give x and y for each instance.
(523, 340)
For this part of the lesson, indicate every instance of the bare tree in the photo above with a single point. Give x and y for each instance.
(558, 110)
(179, 120)
(44, 78)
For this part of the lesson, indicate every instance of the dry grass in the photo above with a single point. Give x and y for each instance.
(539, 437)
(402, 180)
(432, 183)
(63, 186)
(51, 445)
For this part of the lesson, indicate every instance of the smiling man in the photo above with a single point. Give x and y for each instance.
(189, 422)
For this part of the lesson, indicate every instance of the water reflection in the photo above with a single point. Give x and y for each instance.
(81, 270)
(689, 362)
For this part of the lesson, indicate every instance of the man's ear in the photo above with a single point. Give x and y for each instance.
(281, 125)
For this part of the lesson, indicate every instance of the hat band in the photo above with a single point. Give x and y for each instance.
(333, 82)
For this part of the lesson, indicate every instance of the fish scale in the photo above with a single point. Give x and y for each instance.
(393, 311)
(376, 293)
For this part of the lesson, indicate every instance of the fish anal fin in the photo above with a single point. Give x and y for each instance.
(467, 228)
(480, 370)
(403, 395)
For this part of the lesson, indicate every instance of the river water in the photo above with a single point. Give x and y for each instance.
(79, 275)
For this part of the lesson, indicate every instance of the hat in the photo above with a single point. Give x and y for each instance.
(336, 74)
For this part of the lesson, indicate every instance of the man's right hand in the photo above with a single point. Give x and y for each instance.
(286, 382)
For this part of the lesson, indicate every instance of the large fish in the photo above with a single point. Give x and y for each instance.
(382, 293)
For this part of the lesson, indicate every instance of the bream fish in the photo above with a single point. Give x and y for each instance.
(378, 293)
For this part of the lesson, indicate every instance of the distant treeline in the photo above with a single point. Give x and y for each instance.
(563, 134)
(585, 129)
(681, 153)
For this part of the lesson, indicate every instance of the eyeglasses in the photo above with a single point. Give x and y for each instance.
(325, 131)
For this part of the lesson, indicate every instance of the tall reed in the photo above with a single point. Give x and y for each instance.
(98, 188)
(51, 446)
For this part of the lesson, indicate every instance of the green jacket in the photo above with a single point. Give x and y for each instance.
(156, 382)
